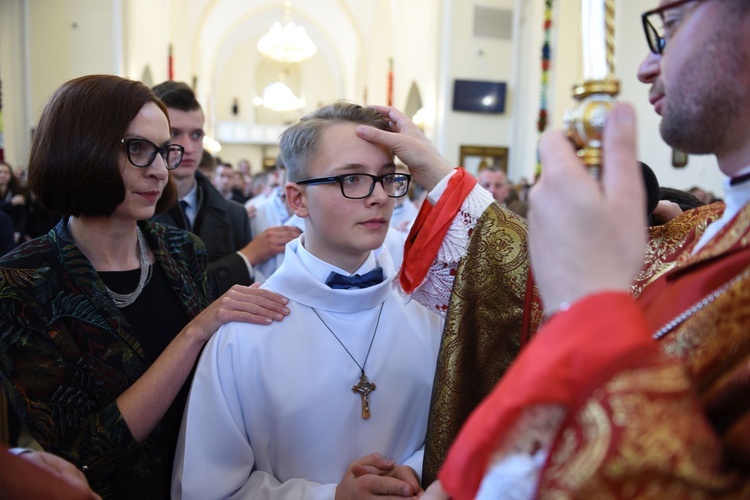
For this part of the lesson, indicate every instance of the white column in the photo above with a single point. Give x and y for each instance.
(594, 40)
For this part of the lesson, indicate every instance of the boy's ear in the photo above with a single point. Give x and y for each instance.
(296, 199)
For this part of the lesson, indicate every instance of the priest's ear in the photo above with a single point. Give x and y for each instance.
(296, 198)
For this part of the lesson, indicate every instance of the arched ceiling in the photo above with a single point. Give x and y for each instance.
(223, 25)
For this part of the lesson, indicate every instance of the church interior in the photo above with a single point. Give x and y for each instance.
(410, 54)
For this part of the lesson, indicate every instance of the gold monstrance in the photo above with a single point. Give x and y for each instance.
(596, 95)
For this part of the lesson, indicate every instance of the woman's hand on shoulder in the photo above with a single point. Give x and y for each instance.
(246, 304)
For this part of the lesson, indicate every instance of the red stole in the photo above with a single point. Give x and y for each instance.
(429, 230)
(551, 369)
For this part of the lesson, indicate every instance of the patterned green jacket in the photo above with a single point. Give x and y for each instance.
(67, 352)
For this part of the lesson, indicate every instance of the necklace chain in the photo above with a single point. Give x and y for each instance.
(122, 300)
(661, 332)
(362, 366)
(364, 387)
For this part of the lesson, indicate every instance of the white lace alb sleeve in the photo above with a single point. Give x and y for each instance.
(435, 291)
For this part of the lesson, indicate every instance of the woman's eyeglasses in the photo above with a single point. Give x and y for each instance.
(142, 153)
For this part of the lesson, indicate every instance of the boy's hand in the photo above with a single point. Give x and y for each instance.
(372, 476)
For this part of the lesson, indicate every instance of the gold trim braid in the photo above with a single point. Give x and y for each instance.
(609, 25)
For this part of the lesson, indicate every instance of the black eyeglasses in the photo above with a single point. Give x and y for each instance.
(358, 186)
(657, 39)
(142, 153)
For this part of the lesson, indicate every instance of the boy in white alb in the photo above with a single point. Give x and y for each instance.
(333, 403)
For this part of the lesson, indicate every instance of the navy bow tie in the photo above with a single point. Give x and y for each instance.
(340, 282)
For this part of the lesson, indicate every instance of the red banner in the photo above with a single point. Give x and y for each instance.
(170, 64)
(389, 90)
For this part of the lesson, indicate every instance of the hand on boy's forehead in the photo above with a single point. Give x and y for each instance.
(364, 168)
(343, 150)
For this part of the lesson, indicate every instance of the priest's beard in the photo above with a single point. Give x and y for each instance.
(706, 95)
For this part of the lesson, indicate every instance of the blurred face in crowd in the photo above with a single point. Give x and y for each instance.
(243, 166)
(496, 183)
(4, 174)
(224, 179)
(238, 180)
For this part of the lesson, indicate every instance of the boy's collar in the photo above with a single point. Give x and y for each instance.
(320, 269)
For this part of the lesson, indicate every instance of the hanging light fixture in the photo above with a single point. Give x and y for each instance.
(211, 145)
(287, 44)
(279, 97)
(423, 118)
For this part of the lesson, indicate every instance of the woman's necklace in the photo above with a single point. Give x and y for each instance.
(125, 299)
(364, 387)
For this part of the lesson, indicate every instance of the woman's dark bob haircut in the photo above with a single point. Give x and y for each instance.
(75, 154)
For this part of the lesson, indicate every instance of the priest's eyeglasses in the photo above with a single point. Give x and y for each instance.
(358, 186)
(142, 153)
(657, 38)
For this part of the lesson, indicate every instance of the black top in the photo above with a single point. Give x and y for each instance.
(156, 317)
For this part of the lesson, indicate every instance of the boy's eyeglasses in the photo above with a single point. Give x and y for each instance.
(358, 186)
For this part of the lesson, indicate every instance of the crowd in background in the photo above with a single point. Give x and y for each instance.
(22, 218)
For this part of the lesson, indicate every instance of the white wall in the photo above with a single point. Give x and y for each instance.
(44, 44)
(146, 40)
(16, 119)
(473, 58)
(70, 38)
(417, 58)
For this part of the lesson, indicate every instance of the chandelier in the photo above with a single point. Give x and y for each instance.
(279, 97)
(211, 145)
(287, 44)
